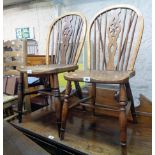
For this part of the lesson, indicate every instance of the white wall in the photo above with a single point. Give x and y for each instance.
(38, 15)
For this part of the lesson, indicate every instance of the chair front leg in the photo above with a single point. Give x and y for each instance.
(57, 101)
(122, 115)
(65, 110)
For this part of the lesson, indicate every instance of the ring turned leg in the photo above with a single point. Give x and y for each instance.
(57, 102)
(122, 115)
(65, 110)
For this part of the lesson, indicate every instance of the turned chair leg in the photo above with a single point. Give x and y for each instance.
(65, 110)
(130, 97)
(122, 115)
(57, 101)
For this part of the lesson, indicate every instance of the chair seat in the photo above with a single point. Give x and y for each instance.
(47, 69)
(113, 77)
(9, 98)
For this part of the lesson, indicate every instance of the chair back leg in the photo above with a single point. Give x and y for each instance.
(93, 95)
(79, 92)
(130, 98)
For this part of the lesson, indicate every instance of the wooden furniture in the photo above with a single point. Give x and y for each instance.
(8, 102)
(64, 44)
(14, 55)
(15, 142)
(114, 38)
(86, 134)
(36, 60)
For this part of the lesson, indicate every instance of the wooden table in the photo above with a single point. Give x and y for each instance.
(16, 143)
(50, 71)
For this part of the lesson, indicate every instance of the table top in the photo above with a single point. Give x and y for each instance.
(47, 69)
(16, 143)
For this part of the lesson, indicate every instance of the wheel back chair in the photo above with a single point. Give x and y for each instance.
(114, 38)
(64, 45)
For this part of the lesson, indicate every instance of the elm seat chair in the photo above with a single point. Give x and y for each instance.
(114, 38)
(65, 40)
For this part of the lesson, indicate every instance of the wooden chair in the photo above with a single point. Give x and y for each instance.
(14, 55)
(64, 45)
(65, 40)
(114, 38)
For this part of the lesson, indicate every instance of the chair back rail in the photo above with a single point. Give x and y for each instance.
(114, 38)
(65, 39)
(14, 55)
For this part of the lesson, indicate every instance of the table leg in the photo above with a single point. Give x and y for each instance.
(20, 96)
(57, 101)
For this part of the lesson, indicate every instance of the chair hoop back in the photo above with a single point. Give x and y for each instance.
(114, 38)
(65, 39)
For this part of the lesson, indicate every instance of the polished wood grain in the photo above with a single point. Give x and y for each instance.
(112, 60)
(36, 60)
(47, 69)
(113, 77)
(95, 134)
